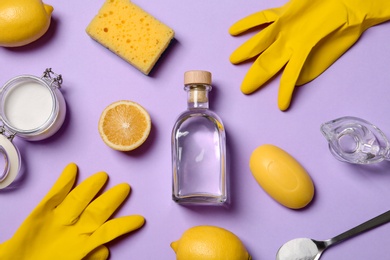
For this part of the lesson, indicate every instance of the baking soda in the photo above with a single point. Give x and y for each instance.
(298, 249)
(28, 105)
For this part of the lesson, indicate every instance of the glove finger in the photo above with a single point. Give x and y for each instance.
(267, 65)
(103, 207)
(115, 228)
(255, 45)
(99, 253)
(79, 198)
(255, 19)
(61, 187)
(289, 78)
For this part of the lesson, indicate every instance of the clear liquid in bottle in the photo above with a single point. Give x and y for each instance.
(198, 148)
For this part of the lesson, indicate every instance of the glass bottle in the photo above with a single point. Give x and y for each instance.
(199, 148)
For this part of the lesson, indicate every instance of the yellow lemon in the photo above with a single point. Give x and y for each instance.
(209, 243)
(23, 21)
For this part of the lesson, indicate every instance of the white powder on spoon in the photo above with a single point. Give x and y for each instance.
(298, 249)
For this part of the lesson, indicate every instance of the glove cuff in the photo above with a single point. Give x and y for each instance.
(368, 13)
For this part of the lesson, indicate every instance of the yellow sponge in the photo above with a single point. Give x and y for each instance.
(131, 33)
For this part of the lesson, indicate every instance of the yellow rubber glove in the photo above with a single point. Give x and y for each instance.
(304, 37)
(71, 223)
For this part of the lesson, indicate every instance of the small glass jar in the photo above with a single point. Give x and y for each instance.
(32, 108)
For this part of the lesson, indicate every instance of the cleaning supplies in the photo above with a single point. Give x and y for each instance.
(281, 176)
(131, 33)
(199, 174)
(23, 21)
(32, 108)
(303, 38)
(355, 140)
(211, 243)
(70, 224)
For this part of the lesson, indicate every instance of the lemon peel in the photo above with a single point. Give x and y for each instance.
(209, 243)
(23, 21)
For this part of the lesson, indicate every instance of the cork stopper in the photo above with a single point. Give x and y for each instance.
(197, 77)
(198, 84)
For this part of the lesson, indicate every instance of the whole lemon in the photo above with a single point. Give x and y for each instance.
(209, 243)
(23, 21)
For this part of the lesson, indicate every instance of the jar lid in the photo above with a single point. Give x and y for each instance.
(197, 77)
(10, 162)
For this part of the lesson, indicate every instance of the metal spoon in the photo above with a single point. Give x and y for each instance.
(310, 249)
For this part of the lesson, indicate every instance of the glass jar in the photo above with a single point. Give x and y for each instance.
(32, 108)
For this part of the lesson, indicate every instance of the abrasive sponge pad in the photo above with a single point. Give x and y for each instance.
(131, 33)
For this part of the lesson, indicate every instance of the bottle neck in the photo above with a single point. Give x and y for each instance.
(197, 96)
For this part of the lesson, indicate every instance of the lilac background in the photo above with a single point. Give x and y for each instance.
(346, 195)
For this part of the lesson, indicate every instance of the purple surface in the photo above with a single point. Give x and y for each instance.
(346, 195)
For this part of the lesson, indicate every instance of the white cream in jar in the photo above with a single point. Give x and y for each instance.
(33, 107)
(28, 106)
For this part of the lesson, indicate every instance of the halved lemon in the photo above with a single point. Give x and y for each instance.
(124, 125)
